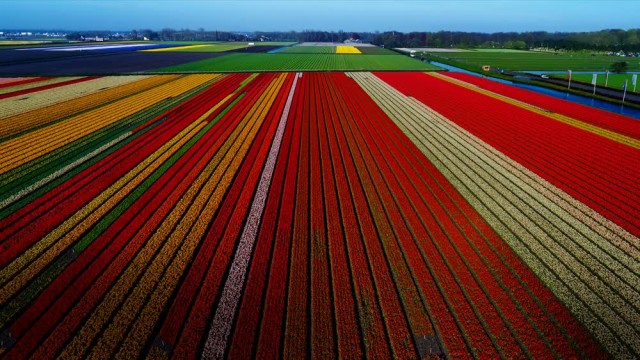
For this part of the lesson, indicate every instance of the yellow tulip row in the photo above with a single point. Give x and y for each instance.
(188, 220)
(342, 49)
(587, 261)
(20, 150)
(36, 84)
(49, 105)
(559, 117)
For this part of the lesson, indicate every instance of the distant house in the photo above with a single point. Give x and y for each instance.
(95, 39)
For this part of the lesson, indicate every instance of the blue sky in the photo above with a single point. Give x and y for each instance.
(245, 15)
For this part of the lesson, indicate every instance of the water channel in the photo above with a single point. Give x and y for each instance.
(600, 104)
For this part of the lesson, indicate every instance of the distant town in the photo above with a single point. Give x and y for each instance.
(41, 35)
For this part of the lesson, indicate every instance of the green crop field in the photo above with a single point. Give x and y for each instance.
(615, 80)
(300, 62)
(310, 50)
(274, 43)
(504, 51)
(369, 50)
(529, 60)
(374, 50)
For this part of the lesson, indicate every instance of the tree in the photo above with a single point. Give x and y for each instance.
(75, 36)
(520, 45)
(619, 67)
(134, 35)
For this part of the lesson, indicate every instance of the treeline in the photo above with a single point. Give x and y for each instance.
(168, 34)
(313, 36)
(605, 40)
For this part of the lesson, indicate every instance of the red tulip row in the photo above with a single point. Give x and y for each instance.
(369, 309)
(348, 343)
(597, 171)
(322, 305)
(605, 119)
(331, 272)
(388, 268)
(366, 277)
(296, 315)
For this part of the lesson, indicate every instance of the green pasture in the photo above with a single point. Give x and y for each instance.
(615, 80)
(374, 50)
(309, 50)
(529, 60)
(239, 62)
(370, 50)
(504, 51)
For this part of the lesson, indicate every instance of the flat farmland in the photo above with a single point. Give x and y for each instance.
(333, 49)
(114, 59)
(314, 214)
(318, 49)
(300, 62)
(530, 60)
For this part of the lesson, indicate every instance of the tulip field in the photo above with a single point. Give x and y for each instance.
(314, 215)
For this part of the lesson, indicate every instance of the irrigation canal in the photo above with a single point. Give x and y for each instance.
(600, 104)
